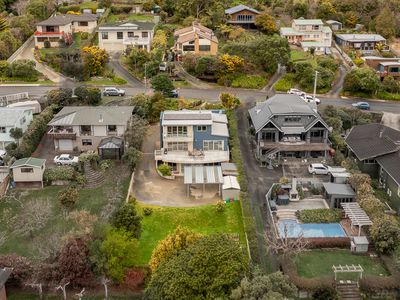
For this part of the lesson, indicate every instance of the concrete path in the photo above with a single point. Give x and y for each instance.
(120, 71)
(269, 88)
(181, 72)
(338, 84)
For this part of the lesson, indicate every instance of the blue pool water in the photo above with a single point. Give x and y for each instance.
(310, 230)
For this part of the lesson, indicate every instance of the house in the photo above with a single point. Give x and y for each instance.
(28, 172)
(193, 138)
(337, 193)
(13, 118)
(376, 149)
(196, 39)
(334, 25)
(287, 126)
(309, 33)
(61, 27)
(4, 275)
(242, 15)
(384, 66)
(366, 43)
(84, 128)
(120, 36)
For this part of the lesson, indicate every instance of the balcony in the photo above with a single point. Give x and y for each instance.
(62, 133)
(191, 157)
(49, 33)
(177, 138)
(136, 41)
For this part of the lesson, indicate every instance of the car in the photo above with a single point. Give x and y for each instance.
(113, 91)
(323, 169)
(175, 94)
(272, 205)
(163, 67)
(2, 154)
(295, 92)
(361, 105)
(310, 99)
(66, 159)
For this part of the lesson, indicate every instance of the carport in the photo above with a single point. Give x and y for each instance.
(202, 175)
(111, 148)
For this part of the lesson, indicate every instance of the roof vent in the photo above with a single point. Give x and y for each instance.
(258, 111)
(380, 133)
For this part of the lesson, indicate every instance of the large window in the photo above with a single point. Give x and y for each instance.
(120, 35)
(177, 131)
(41, 39)
(177, 146)
(244, 18)
(268, 136)
(3, 130)
(112, 128)
(213, 145)
(83, 23)
(86, 142)
(204, 47)
(145, 34)
(26, 170)
(188, 48)
(104, 35)
(202, 128)
(86, 130)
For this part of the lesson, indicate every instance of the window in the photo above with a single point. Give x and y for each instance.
(145, 34)
(315, 27)
(86, 142)
(86, 130)
(202, 128)
(267, 136)
(26, 170)
(23, 120)
(131, 34)
(177, 146)
(120, 35)
(112, 128)
(213, 145)
(316, 36)
(188, 47)
(204, 47)
(177, 131)
(302, 27)
(54, 39)
(41, 39)
(3, 130)
(319, 133)
(370, 162)
(293, 119)
(244, 18)
(104, 35)
(83, 23)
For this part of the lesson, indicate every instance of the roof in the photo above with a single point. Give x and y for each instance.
(356, 214)
(371, 57)
(326, 29)
(389, 63)
(66, 19)
(372, 140)
(360, 240)
(333, 22)
(338, 189)
(307, 22)
(289, 31)
(4, 274)
(189, 33)
(239, 8)
(360, 37)
(391, 164)
(28, 162)
(92, 115)
(128, 26)
(340, 174)
(229, 169)
(230, 182)
(199, 174)
(111, 143)
(280, 104)
(9, 116)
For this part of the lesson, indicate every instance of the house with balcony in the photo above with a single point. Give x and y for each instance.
(120, 36)
(84, 128)
(61, 27)
(196, 39)
(13, 118)
(285, 126)
(384, 66)
(193, 138)
(366, 43)
(309, 33)
(242, 15)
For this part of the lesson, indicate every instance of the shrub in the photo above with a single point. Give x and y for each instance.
(285, 83)
(321, 215)
(68, 197)
(135, 277)
(147, 211)
(165, 170)
(240, 80)
(24, 69)
(84, 35)
(220, 206)
(337, 242)
(106, 165)
(119, 9)
(325, 293)
(59, 173)
(47, 44)
(127, 219)
(119, 80)
(229, 101)
(88, 95)
(90, 156)
(162, 83)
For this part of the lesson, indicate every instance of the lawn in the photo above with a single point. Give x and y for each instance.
(112, 18)
(203, 219)
(317, 263)
(296, 55)
(91, 5)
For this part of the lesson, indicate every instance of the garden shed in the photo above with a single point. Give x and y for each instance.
(340, 177)
(337, 193)
(111, 148)
(28, 172)
(359, 244)
(230, 188)
(229, 169)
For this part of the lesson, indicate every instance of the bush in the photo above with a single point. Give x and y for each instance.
(147, 211)
(88, 95)
(47, 44)
(65, 9)
(321, 215)
(337, 242)
(84, 35)
(59, 173)
(285, 83)
(220, 206)
(240, 80)
(162, 83)
(106, 165)
(119, 80)
(165, 170)
(120, 9)
(327, 293)
(127, 219)
(68, 197)
(229, 101)
(23, 69)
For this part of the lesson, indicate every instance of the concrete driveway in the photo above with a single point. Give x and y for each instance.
(150, 188)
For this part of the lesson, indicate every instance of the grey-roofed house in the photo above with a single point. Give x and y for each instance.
(337, 193)
(242, 15)
(4, 275)
(28, 172)
(121, 36)
(83, 128)
(13, 118)
(193, 138)
(335, 25)
(285, 126)
(384, 66)
(365, 43)
(376, 149)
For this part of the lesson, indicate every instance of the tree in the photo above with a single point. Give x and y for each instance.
(3, 24)
(285, 245)
(178, 240)
(229, 101)
(211, 267)
(126, 218)
(385, 233)
(259, 286)
(24, 69)
(22, 268)
(325, 293)
(16, 133)
(361, 80)
(94, 59)
(38, 9)
(88, 95)
(385, 23)
(61, 96)
(68, 197)
(136, 132)
(8, 44)
(160, 40)
(162, 83)
(300, 9)
(266, 23)
(230, 63)
(131, 157)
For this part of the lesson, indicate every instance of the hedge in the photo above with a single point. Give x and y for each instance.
(332, 242)
(321, 215)
(59, 173)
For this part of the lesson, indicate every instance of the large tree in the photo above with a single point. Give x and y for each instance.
(361, 80)
(385, 233)
(127, 219)
(386, 23)
(266, 23)
(208, 269)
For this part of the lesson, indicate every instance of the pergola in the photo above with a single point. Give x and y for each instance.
(348, 269)
(356, 215)
(203, 175)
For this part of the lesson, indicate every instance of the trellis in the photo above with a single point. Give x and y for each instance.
(348, 269)
(356, 215)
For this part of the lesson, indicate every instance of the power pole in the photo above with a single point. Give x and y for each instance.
(315, 84)
(145, 78)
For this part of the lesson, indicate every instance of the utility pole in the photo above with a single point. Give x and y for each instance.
(145, 78)
(315, 84)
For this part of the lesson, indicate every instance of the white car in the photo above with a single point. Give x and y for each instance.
(2, 154)
(163, 67)
(310, 99)
(66, 159)
(113, 91)
(295, 92)
(322, 169)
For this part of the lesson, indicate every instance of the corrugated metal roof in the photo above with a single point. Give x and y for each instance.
(111, 143)
(9, 116)
(239, 8)
(28, 161)
(199, 174)
(308, 22)
(361, 37)
(230, 182)
(338, 189)
(219, 129)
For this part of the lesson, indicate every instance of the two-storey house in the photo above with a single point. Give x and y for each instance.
(13, 118)
(84, 128)
(286, 126)
(366, 43)
(61, 27)
(309, 33)
(384, 66)
(193, 138)
(242, 15)
(120, 36)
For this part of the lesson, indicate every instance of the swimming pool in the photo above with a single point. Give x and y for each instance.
(310, 230)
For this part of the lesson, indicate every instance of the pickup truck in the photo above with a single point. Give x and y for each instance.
(322, 169)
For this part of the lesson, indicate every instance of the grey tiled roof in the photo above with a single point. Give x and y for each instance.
(391, 164)
(66, 19)
(372, 140)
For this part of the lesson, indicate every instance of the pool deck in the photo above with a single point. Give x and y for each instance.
(307, 203)
(346, 225)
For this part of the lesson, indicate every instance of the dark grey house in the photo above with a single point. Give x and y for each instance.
(286, 126)
(337, 193)
(376, 148)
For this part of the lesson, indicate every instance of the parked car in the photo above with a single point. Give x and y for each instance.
(362, 105)
(272, 204)
(2, 154)
(66, 159)
(175, 94)
(113, 91)
(310, 99)
(163, 67)
(295, 92)
(323, 169)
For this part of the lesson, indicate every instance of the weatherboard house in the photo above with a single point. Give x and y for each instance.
(242, 15)
(28, 172)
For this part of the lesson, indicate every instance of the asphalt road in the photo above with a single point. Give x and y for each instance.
(246, 96)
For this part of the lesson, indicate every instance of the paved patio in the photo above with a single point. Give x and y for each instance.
(307, 203)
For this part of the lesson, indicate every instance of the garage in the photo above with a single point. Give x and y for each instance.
(65, 145)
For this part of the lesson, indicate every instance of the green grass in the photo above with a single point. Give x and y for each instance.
(296, 55)
(317, 263)
(249, 81)
(12, 81)
(103, 81)
(285, 83)
(181, 83)
(91, 5)
(203, 219)
(112, 18)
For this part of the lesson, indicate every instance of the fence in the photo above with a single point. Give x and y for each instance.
(8, 99)
(20, 49)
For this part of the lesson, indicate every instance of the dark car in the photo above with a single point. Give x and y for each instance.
(362, 105)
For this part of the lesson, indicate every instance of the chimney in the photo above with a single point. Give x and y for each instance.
(380, 133)
(101, 118)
